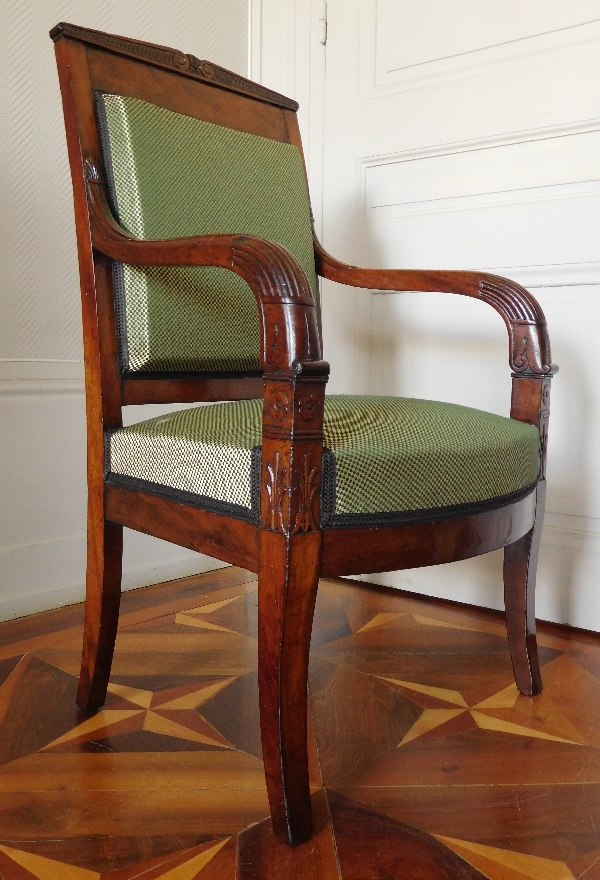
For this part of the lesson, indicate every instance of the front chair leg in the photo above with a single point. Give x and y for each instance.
(287, 587)
(520, 564)
(103, 595)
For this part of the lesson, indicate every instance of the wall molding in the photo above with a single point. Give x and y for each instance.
(255, 13)
(525, 50)
(581, 126)
(53, 574)
(39, 376)
(553, 275)
(287, 55)
(18, 387)
(573, 136)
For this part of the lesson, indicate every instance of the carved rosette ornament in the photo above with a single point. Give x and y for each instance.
(279, 406)
(309, 406)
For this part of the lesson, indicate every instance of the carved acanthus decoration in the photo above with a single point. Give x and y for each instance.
(521, 362)
(277, 491)
(281, 496)
(543, 426)
(162, 56)
(308, 344)
(546, 396)
(274, 347)
(306, 490)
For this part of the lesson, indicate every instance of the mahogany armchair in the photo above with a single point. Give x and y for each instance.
(199, 283)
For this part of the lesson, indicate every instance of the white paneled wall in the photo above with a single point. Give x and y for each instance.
(465, 136)
(42, 419)
(288, 55)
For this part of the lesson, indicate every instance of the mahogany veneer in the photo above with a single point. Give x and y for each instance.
(289, 549)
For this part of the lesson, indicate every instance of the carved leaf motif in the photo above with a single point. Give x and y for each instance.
(306, 489)
(277, 490)
(543, 427)
(546, 395)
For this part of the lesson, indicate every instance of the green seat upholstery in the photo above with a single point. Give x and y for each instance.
(385, 458)
(170, 176)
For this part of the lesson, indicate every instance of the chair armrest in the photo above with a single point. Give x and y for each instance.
(529, 344)
(290, 342)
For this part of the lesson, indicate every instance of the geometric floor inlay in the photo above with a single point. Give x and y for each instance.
(425, 760)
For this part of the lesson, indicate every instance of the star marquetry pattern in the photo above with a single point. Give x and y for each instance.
(170, 713)
(422, 751)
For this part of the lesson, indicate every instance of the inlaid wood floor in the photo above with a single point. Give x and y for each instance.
(425, 761)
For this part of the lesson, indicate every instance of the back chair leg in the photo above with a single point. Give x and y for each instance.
(520, 564)
(103, 596)
(287, 588)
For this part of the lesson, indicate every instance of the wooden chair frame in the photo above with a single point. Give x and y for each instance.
(288, 550)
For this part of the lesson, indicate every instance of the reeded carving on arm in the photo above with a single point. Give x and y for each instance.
(529, 345)
(274, 269)
(525, 322)
(287, 309)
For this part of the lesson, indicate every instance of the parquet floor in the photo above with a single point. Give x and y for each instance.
(426, 763)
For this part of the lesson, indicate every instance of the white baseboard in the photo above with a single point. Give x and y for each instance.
(50, 574)
(567, 582)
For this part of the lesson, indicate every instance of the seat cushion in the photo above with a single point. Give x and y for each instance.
(387, 459)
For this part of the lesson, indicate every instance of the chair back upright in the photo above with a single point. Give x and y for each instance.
(186, 149)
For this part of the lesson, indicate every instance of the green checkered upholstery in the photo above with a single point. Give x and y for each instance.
(171, 176)
(397, 454)
(391, 454)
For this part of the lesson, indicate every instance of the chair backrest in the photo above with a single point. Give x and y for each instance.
(188, 149)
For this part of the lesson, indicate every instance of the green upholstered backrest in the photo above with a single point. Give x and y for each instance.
(170, 176)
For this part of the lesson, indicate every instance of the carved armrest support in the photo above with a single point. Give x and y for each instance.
(529, 345)
(290, 338)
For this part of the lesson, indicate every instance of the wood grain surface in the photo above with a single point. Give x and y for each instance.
(425, 761)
